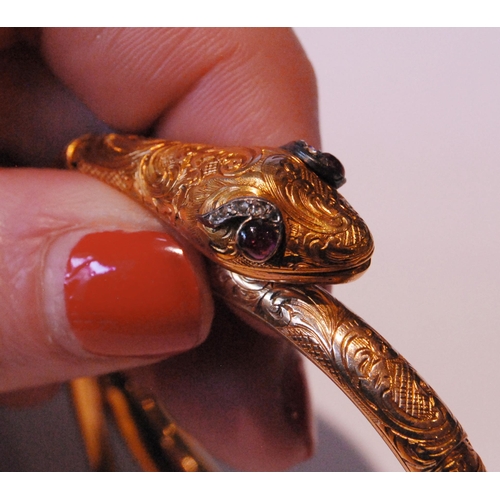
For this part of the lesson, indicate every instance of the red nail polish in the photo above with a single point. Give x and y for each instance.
(132, 294)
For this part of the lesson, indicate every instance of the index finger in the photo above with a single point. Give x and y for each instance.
(222, 86)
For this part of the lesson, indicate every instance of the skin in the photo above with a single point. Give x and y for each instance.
(220, 86)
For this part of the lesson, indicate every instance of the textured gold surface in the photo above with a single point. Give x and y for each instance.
(407, 413)
(89, 406)
(324, 241)
(152, 436)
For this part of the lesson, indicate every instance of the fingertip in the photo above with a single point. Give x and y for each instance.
(45, 214)
(213, 85)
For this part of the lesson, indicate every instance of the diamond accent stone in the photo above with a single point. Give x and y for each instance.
(241, 207)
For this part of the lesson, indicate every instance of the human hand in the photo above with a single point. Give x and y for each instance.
(241, 393)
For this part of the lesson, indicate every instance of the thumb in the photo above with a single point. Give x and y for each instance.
(89, 281)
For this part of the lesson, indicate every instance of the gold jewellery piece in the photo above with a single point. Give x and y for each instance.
(273, 223)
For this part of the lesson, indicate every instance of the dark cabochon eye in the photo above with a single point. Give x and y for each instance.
(255, 223)
(258, 239)
(325, 165)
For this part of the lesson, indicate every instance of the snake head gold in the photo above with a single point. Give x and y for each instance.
(268, 213)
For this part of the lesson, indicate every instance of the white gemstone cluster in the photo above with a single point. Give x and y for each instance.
(249, 207)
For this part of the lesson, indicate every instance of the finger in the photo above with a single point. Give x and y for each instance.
(224, 86)
(77, 295)
(252, 410)
(219, 85)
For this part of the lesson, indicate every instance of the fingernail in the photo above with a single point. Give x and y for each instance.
(132, 294)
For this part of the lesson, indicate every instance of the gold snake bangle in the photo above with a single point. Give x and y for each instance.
(273, 223)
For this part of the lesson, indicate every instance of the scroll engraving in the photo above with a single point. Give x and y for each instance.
(406, 412)
(325, 237)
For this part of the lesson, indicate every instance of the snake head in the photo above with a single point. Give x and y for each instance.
(266, 213)
(280, 217)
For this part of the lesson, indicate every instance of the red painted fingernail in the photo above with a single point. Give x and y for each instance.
(132, 294)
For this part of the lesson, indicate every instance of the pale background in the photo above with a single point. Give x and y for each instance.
(414, 116)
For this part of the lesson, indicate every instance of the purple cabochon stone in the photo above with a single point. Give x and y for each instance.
(258, 239)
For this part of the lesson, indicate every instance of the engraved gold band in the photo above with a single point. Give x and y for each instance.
(406, 412)
(216, 198)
